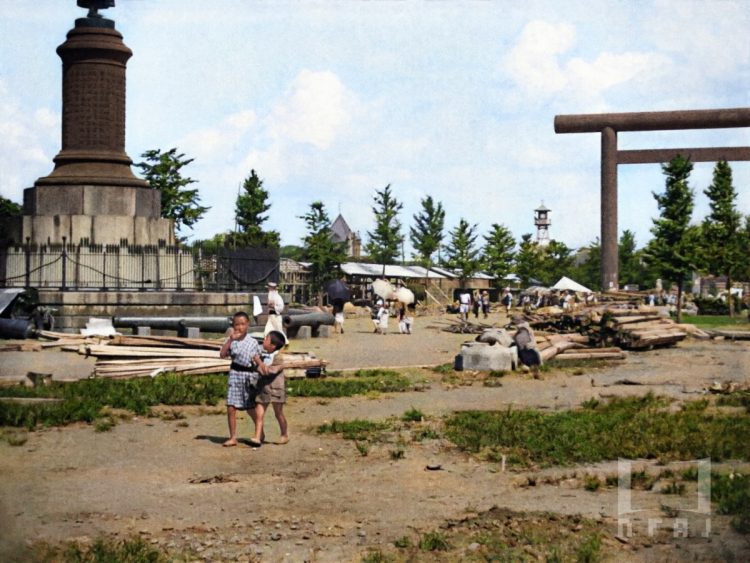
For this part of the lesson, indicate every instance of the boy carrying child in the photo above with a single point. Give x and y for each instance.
(246, 368)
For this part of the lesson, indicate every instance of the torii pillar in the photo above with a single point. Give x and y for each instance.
(609, 124)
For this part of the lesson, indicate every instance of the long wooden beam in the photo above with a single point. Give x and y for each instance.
(653, 120)
(730, 154)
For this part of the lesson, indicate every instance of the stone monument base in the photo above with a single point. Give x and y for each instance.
(96, 214)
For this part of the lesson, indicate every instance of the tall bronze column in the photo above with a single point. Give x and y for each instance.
(92, 194)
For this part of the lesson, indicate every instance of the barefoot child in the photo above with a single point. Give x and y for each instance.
(243, 373)
(271, 389)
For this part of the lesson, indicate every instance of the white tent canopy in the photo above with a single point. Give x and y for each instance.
(565, 283)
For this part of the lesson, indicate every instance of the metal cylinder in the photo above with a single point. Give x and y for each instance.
(16, 328)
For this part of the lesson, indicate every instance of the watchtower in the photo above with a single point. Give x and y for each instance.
(542, 222)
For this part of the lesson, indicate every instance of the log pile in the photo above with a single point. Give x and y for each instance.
(607, 326)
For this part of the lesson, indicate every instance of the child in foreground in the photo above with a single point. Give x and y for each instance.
(247, 366)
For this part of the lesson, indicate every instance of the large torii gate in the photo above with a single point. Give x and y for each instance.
(609, 124)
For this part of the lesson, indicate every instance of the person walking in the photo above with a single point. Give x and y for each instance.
(275, 306)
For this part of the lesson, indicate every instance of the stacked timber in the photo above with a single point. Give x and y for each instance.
(575, 347)
(641, 330)
(123, 357)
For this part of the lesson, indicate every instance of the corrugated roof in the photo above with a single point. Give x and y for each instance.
(391, 271)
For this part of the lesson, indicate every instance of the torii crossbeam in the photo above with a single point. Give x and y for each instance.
(609, 124)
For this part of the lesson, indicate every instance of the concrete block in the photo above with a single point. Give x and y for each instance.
(304, 333)
(480, 356)
(189, 332)
(324, 331)
(142, 330)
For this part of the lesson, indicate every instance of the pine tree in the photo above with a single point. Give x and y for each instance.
(722, 250)
(628, 257)
(427, 234)
(672, 251)
(499, 252)
(249, 210)
(557, 261)
(461, 253)
(588, 271)
(385, 241)
(529, 260)
(163, 172)
(324, 254)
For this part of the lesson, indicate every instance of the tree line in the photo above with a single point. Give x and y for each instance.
(719, 245)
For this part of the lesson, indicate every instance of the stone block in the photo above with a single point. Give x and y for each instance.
(109, 200)
(304, 333)
(480, 356)
(189, 332)
(142, 331)
(324, 331)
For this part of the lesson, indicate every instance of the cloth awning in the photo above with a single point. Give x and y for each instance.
(565, 283)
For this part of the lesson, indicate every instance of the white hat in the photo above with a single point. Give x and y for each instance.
(272, 284)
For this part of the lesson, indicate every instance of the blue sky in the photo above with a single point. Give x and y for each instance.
(331, 101)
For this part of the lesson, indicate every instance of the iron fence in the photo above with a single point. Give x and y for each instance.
(137, 268)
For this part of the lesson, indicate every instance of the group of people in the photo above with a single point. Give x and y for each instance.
(475, 302)
(382, 312)
(254, 381)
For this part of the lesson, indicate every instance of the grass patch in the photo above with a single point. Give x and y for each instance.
(102, 550)
(504, 535)
(83, 401)
(630, 428)
(413, 415)
(361, 383)
(731, 492)
(736, 399)
(357, 429)
(718, 321)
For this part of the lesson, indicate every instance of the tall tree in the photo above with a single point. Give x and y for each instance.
(163, 172)
(672, 251)
(628, 257)
(427, 234)
(499, 252)
(461, 253)
(10, 208)
(324, 254)
(722, 250)
(250, 207)
(385, 241)
(588, 269)
(529, 260)
(557, 261)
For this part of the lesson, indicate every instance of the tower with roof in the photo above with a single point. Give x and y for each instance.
(542, 222)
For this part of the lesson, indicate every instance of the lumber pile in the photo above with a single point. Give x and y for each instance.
(614, 326)
(122, 357)
(643, 331)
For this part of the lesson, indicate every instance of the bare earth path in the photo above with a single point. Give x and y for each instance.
(317, 498)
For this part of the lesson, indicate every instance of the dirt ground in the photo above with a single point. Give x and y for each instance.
(316, 498)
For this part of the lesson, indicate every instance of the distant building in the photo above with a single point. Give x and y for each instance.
(542, 222)
(342, 233)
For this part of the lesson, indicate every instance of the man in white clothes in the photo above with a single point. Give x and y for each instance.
(275, 306)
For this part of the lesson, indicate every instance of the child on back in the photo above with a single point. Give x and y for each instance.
(271, 390)
(244, 371)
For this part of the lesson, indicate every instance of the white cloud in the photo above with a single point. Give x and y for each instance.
(316, 110)
(533, 62)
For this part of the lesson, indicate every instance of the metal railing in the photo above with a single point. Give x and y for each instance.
(136, 267)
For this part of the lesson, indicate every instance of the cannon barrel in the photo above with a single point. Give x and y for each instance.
(209, 324)
(16, 328)
(308, 319)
